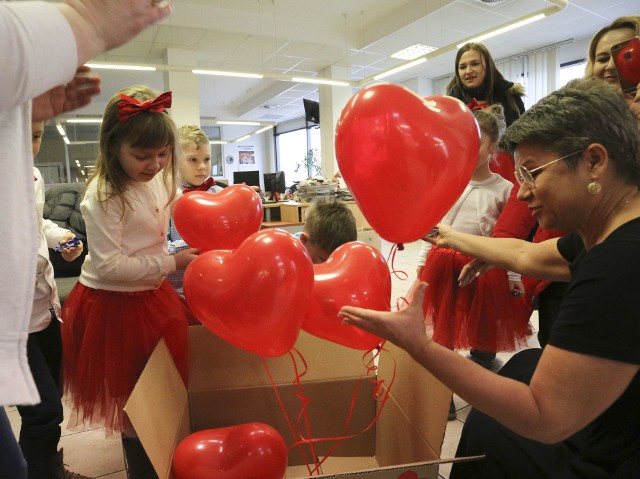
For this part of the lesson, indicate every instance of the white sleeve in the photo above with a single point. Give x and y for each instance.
(38, 50)
(424, 251)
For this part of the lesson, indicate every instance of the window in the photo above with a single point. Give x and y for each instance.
(292, 147)
(571, 71)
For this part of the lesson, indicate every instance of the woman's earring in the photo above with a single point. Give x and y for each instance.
(594, 187)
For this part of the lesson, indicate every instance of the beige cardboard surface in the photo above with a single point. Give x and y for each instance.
(327, 413)
(158, 409)
(229, 386)
(422, 398)
(235, 367)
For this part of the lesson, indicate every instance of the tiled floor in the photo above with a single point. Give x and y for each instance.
(90, 453)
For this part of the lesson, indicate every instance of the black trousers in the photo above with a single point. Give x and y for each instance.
(509, 455)
(12, 464)
(40, 430)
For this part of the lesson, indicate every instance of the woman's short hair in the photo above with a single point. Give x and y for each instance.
(581, 113)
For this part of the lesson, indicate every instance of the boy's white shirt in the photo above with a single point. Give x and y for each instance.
(46, 292)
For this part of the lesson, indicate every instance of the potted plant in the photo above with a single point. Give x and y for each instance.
(311, 164)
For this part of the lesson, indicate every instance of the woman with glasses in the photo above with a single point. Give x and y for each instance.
(569, 410)
(516, 222)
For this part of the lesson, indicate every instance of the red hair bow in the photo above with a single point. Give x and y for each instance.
(474, 105)
(130, 107)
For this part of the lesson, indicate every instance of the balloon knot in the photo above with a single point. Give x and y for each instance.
(400, 247)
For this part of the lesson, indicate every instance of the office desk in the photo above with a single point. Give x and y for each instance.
(267, 207)
(295, 212)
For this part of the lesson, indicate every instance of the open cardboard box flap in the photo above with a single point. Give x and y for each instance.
(229, 386)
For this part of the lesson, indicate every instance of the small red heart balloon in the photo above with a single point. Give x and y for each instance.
(247, 451)
(405, 159)
(218, 220)
(628, 61)
(356, 274)
(255, 296)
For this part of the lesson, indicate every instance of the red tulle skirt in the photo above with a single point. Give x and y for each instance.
(107, 338)
(483, 315)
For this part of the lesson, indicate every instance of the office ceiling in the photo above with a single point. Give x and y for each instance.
(344, 39)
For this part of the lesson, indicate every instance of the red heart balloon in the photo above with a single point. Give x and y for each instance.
(628, 61)
(247, 451)
(218, 220)
(355, 274)
(405, 159)
(255, 296)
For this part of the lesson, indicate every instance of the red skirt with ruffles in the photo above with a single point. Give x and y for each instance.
(483, 315)
(107, 338)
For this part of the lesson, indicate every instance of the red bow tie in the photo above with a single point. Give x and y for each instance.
(130, 107)
(474, 105)
(206, 184)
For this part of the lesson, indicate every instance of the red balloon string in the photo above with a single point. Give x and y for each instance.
(400, 274)
(381, 395)
(298, 375)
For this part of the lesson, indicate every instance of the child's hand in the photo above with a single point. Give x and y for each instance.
(184, 257)
(472, 270)
(69, 253)
(516, 288)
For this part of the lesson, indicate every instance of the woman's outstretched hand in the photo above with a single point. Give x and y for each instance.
(404, 328)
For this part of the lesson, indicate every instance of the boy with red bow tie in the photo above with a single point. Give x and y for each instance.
(194, 168)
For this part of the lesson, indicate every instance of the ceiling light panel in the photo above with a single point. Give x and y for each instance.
(414, 51)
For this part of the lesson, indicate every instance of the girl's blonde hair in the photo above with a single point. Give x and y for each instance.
(491, 121)
(192, 134)
(144, 130)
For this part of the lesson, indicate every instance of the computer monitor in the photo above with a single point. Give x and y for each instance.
(311, 111)
(251, 178)
(275, 182)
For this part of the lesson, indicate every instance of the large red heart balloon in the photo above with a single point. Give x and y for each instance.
(255, 296)
(355, 274)
(218, 220)
(405, 159)
(247, 451)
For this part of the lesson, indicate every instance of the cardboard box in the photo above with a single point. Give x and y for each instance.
(228, 386)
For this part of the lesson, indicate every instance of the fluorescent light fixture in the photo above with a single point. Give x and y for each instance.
(66, 140)
(321, 81)
(227, 74)
(83, 120)
(413, 52)
(104, 66)
(504, 29)
(262, 130)
(400, 68)
(243, 138)
(238, 122)
(217, 142)
(60, 129)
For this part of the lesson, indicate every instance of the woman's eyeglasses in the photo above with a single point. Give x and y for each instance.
(525, 176)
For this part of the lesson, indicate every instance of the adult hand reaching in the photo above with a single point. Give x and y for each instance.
(75, 94)
(472, 270)
(404, 328)
(100, 25)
